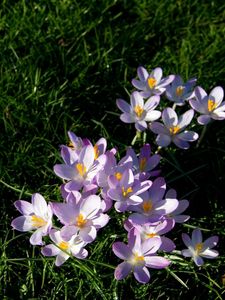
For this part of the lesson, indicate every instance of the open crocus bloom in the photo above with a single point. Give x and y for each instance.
(137, 256)
(37, 216)
(173, 129)
(63, 249)
(178, 91)
(153, 83)
(139, 112)
(210, 106)
(197, 248)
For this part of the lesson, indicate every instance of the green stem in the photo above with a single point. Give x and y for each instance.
(201, 136)
(15, 189)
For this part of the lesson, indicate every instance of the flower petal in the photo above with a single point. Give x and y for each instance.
(121, 250)
(141, 274)
(122, 270)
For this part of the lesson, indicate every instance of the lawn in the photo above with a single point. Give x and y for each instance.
(63, 65)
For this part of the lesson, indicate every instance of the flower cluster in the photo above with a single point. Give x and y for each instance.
(151, 86)
(94, 181)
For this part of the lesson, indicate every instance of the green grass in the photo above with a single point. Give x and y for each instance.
(63, 64)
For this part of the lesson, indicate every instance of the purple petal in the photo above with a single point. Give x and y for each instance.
(152, 102)
(22, 223)
(156, 262)
(189, 136)
(163, 140)
(90, 206)
(39, 204)
(136, 99)
(82, 254)
(185, 119)
(157, 74)
(151, 245)
(218, 94)
(61, 258)
(152, 115)
(122, 270)
(100, 221)
(198, 260)
(209, 253)
(24, 207)
(197, 106)
(141, 125)
(167, 245)
(158, 128)
(124, 106)
(65, 212)
(200, 93)
(187, 241)
(138, 84)
(141, 274)
(121, 250)
(186, 253)
(65, 171)
(196, 236)
(88, 234)
(127, 118)
(36, 237)
(67, 232)
(50, 250)
(169, 117)
(211, 242)
(180, 143)
(204, 119)
(142, 73)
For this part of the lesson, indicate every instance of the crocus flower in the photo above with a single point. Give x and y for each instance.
(197, 248)
(153, 207)
(139, 112)
(63, 249)
(210, 106)
(178, 91)
(82, 218)
(153, 83)
(127, 191)
(37, 216)
(173, 129)
(138, 256)
(144, 163)
(82, 171)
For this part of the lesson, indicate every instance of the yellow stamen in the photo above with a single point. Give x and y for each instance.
(118, 175)
(138, 110)
(37, 221)
(80, 221)
(198, 247)
(96, 151)
(138, 258)
(147, 206)
(81, 169)
(126, 192)
(174, 129)
(151, 82)
(71, 145)
(179, 90)
(142, 163)
(151, 235)
(63, 245)
(211, 105)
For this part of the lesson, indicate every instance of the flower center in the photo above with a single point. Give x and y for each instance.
(147, 206)
(71, 145)
(142, 163)
(80, 221)
(138, 110)
(63, 245)
(211, 105)
(96, 151)
(118, 175)
(37, 221)
(81, 169)
(151, 235)
(127, 191)
(138, 259)
(151, 82)
(198, 247)
(174, 129)
(179, 90)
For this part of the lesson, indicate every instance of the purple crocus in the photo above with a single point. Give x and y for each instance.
(173, 129)
(197, 248)
(37, 216)
(178, 91)
(151, 84)
(153, 207)
(127, 191)
(139, 112)
(82, 218)
(138, 256)
(63, 249)
(209, 106)
(83, 171)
